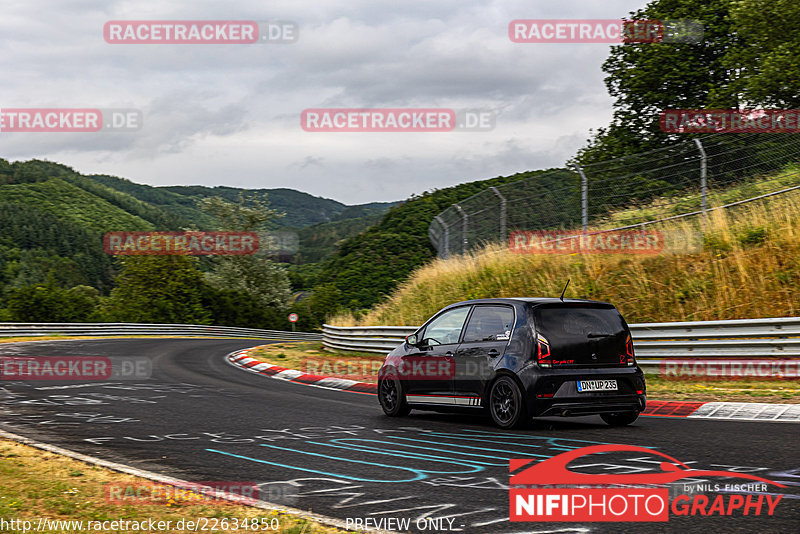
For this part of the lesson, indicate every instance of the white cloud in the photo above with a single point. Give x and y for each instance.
(229, 114)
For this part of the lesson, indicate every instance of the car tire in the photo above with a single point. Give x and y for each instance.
(620, 419)
(506, 404)
(392, 397)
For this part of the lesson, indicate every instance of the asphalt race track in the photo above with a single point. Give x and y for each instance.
(200, 419)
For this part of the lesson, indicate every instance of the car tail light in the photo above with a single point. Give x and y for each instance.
(629, 357)
(542, 351)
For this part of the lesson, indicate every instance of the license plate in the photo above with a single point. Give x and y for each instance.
(597, 385)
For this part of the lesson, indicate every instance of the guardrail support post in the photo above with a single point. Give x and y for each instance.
(444, 243)
(465, 228)
(703, 177)
(584, 199)
(503, 212)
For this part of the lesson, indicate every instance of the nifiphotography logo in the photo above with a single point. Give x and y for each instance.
(549, 491)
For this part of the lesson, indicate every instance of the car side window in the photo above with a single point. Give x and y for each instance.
(489, 323)
(446, 329)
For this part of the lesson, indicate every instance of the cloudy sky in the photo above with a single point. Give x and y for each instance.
(219, 114)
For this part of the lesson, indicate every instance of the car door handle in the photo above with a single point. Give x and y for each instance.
(448, 353)
(493, 353)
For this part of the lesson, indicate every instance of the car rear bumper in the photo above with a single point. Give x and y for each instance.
(554, 391)
(576, 407)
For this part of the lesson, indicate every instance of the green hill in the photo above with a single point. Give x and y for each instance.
(67, 201)
(181, 210)
(52, 220)
(320, 241)
(300, 209)
(370, 265)
(34, 243)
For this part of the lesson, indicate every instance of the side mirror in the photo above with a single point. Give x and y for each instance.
(412, 339)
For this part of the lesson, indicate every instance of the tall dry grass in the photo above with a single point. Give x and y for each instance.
(745, 263)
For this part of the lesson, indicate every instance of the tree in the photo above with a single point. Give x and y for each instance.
(48, 303)
(747, 58)
(236, 308)
(313, 311)
(258, 277)
(646, 78)
(266, 282)
(158, 289)
(249, 214)
(766, 69)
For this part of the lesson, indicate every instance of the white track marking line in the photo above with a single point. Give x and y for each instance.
(156, 477)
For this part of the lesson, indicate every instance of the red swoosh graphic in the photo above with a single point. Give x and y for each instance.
(554, 470)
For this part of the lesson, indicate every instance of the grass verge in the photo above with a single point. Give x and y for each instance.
(38, 484)
(742, 263)
(743, 390)
(310, 356)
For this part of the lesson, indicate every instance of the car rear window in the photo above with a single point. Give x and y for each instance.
(572, 322)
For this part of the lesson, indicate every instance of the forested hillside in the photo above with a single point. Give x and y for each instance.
(320, 241)
(53, 267)
(53, 219)
(370, 265)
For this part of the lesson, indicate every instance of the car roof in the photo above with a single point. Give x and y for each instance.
(533, 301)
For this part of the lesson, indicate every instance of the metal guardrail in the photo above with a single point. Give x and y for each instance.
(740, 338)
(142, 329)
(365, 338)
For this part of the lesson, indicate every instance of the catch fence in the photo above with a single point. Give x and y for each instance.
(685, 179)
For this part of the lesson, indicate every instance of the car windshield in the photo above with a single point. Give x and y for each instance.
(446, 329)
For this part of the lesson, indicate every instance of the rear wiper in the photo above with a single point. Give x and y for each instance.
(592, 334)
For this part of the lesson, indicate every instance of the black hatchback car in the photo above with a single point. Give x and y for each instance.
(518, 358)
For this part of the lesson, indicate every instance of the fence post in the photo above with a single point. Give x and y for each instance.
(584, 199)
(703, 177)
(465, 227)
(444, 243)
(503, 213)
